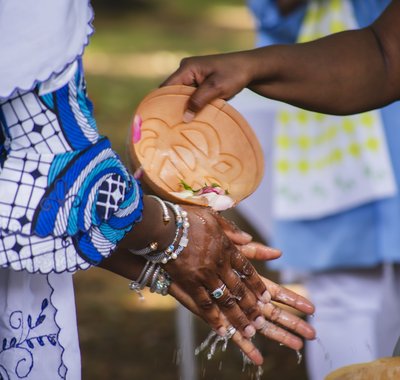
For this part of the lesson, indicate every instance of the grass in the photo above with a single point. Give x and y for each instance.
(120, 337)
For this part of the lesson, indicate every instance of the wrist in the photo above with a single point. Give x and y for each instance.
(152, 229)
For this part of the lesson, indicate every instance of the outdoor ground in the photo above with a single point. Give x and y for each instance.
(137, 44)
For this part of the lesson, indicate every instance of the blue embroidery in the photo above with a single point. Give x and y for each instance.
(24, 342)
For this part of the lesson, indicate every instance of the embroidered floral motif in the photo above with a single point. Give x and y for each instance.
(24, 342)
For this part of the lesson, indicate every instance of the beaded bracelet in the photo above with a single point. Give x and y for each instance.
(160, 280)
(172, 252)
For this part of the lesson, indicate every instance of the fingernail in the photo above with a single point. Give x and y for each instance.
(257, 357)
(246, 235)
(266, 297)
(221, 331)
(188, 116)
(249, 331)
(261, 304)
(259, 322)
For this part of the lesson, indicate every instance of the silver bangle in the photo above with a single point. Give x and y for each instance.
(166, 217)
(146, 250)
(160, 280)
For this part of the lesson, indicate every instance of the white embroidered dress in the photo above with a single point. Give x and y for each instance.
(65, 198)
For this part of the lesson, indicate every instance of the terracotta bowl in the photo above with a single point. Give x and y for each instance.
(218, 146)
(381, 369)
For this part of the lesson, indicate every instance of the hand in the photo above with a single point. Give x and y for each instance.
(217, 248)
(215, 76)
(271, 320)
(289, 335)
(280, 295)
(209, 263)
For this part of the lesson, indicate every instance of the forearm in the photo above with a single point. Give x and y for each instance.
(288, 6)
(150, 229)
(344, 73)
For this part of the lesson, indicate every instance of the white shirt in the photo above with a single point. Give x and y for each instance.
(39, 38)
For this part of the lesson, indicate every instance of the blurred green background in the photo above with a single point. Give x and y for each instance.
(136, 45)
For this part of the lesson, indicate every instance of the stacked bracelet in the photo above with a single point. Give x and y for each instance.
(160, 280)
(152, 273)
(175, 248)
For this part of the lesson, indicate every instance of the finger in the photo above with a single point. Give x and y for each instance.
(277, 333)
(288, 320)
(248, 348)
(185, 74)
(229, 307)
(179, 77)
(258, 251)
(207, 309)
(244, 344)
(185, 299)
(244, 297)
(251, 250)
(249, 275)
(288, 297)
(233, 231)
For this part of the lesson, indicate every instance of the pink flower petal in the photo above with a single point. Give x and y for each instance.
(136, 129)
(211, 189)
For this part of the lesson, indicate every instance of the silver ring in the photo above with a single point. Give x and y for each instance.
(219, 292)
(240, 275)
(230, 332)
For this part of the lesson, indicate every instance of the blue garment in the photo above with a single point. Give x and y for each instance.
(361, 237)
(66, 199)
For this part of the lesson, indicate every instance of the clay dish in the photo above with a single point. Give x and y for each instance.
(380, 369)
(218, 146)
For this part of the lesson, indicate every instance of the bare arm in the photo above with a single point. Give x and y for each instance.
(344, 73)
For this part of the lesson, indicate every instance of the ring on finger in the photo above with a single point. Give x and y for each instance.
(219, 292)
(240, 275)
(230, 332)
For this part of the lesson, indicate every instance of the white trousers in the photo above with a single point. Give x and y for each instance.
(357, 317)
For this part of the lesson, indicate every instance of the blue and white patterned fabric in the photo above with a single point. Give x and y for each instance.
(66, 200)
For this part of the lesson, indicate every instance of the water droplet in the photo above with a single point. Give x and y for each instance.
(299, 357)
(213, 344)
(247, 362)
(327, 357)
